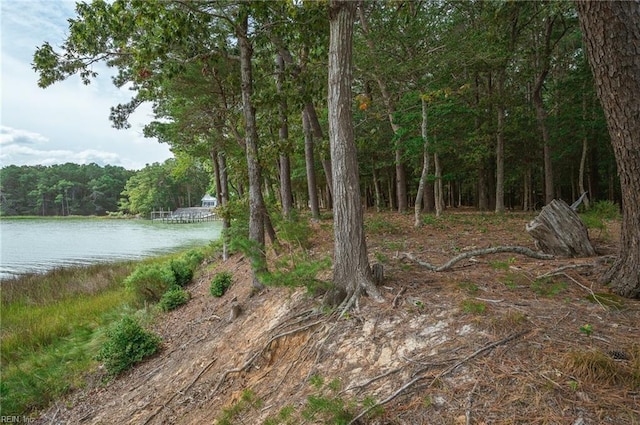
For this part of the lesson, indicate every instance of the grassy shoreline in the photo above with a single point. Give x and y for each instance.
(52, 326)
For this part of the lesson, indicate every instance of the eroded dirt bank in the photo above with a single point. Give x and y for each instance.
(488, 342)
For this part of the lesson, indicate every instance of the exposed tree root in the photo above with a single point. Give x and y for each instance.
(420, 376)
(250, 361)
(495, 250)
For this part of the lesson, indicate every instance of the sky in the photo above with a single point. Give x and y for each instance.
(68, 121)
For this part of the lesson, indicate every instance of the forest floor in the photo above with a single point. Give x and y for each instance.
(491, 341)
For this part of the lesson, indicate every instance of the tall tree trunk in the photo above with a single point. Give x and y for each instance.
(583, 157)
(376, 188)
(257, 208)
(351, 273)
(425, 167)
(611, 32)
(401, 175)
(541, 112)
(221, 160)
(500, 158)
(285, 165)
(310, 164)
(437, 186)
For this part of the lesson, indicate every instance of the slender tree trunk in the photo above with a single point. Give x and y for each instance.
(351, 274)
(425, 167)
(437, 186)
(541, 113)
(285, 165)
(310, 164)
(401, 175)
(500, 145)
(257, 209)
(224, 201)
(583, 158)
(376, 188)
(611, 33)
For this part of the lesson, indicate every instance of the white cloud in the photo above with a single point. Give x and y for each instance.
(68, 121)
(10, 136)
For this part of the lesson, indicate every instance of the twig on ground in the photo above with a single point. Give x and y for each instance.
(395, 299)
(495, 250)
(467, 413)
(450, 369)
(561, 270)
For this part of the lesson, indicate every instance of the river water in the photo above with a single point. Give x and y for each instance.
(39, 245)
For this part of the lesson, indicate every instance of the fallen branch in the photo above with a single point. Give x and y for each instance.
(485, 251)
(561, 270)
(440, 375)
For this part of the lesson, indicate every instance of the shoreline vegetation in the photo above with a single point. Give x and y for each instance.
(53, 325)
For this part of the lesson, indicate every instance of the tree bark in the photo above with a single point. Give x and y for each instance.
(438, 189)
(310, 165)
(425, 167)
(351, 273)
(257, 208)
(286, 197)
(611, 33)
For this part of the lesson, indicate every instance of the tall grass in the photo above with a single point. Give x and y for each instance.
(51, 326)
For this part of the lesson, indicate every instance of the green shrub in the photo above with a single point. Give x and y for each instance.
(606, 210)
(220, 283)
(150, 281)
(173, 298)
(182, 270)
(194, 257)
(127, 344)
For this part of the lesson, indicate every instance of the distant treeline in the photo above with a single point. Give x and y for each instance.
(72, 189)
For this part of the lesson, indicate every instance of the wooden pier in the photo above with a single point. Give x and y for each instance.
(185, 215)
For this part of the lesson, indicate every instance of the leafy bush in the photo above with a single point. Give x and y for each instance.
(173, 298)
(194, 257)
(127, 344)
(182, 270)
(220, 283)
(150, 281)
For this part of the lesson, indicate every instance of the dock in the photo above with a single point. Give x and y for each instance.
(185, 215)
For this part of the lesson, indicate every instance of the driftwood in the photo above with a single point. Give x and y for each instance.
(559, 231)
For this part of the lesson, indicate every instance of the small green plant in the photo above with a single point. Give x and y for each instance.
(469, 287)
(499, 265)
(547, 287)
(173, 298)
(127, 344)
(149, 281)
(586, 329)
(220, 283)
(247, 401)
(573, 385)
(298, 270)
(473, 307)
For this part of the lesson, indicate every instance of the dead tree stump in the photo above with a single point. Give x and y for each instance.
(559, 231)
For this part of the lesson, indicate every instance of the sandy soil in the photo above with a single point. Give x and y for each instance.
(487, 342)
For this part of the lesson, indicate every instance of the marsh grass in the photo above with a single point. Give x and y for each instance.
(50, 329)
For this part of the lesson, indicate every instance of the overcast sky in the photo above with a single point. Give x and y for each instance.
(68, 121)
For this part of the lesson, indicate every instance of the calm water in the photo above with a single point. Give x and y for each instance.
(39, 245)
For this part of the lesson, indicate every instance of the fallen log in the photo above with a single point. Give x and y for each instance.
(559, 231)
